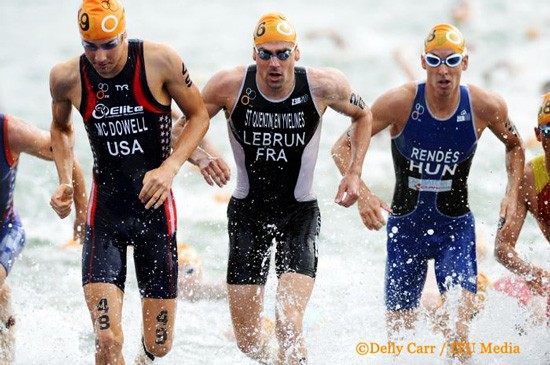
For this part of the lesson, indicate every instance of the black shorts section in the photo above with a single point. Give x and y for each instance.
(253, 233)
(155, 251)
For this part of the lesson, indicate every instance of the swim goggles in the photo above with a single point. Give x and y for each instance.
(451, 61)
(282, 55)
(545, 131)
(105, 46)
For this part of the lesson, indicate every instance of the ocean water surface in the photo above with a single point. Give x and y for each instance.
(508, 43)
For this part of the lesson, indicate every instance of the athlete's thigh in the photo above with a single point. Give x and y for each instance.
(12, 241)
(456, 262)
(406, 265)
(249, 246)
(297, 250)
(103, 260)
(246, 304)
(293, 293)
(156, 259)
(104, 301)
(105, 246)
(158, 323)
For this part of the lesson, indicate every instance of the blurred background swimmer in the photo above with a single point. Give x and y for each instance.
(191, 283)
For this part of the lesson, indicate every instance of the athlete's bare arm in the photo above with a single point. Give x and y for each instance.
(24, 137)
(330, 88)
(490, 110)
(64, 89)
(389, 110)
(168, 79)
(392, 109)
(537, 278)
(220, 92)
(206, 157)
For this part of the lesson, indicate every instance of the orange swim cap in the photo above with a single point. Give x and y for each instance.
(101, 19)
(483, 283)
(274, 27)
(445, 36)
(544, 110)
(187, 255)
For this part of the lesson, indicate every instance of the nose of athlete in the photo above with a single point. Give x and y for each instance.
(100, 55)
(273, 60)
(443, 69)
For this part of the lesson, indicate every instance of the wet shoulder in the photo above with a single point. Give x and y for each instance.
(225, 85)
(395, 104)
(65, 79)
(159, 55)
(229, 79)
(327, 86)
(487, 105)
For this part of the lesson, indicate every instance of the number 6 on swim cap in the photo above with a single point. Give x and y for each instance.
(544, 110)
(101, 19)
(445, 36)
(274, 27)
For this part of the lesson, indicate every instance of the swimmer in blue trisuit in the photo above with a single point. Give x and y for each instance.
(17, 137)
(274, 113)
(435, 126)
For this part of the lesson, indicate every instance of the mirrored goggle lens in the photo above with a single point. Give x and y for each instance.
(545, 131)
(265, 55)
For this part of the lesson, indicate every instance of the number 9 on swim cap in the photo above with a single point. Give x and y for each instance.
(101, 19)
(274, 27)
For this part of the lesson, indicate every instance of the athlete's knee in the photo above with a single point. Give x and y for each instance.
(5, 294)
(249, 343)
(258, 350)
(158, 350)
(3, 276)
(289, 323)
(108, 342)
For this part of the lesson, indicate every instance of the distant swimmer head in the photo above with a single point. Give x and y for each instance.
(483, 283)
(445, 36)
(101, 19)
(274, 27)
(544, 110)
(188, 258)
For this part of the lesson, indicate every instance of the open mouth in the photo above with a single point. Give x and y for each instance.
(275, 75)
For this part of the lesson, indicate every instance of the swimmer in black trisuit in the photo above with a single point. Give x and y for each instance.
(124, 88)
(274, 111)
